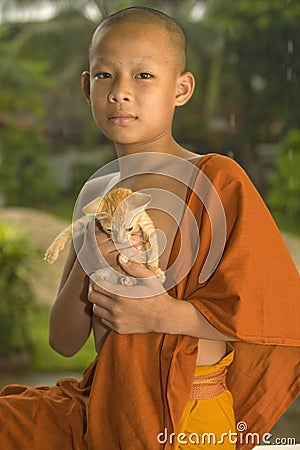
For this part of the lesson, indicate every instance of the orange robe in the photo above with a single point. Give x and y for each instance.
(139, 385)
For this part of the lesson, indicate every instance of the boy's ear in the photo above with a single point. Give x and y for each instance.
(185, 88)
(85, 85)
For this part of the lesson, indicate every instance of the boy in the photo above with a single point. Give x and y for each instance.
(159, 380)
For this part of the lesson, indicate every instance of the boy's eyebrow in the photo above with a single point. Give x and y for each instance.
(135, 62)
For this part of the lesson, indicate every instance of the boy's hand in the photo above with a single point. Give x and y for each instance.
(141, 308)
(106, 247)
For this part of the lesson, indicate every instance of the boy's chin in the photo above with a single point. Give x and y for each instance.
(127, 137)
(118, 139)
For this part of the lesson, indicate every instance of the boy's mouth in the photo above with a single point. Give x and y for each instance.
(121, 118)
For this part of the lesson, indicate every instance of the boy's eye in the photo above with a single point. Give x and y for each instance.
(102, 75)
(144, 75)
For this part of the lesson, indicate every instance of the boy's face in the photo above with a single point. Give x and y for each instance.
(133, 83)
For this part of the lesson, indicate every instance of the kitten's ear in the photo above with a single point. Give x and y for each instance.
(94, 207)
(102, 215)
(138, 202)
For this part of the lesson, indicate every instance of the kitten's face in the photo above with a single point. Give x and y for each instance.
(120, 213)
(118, 227)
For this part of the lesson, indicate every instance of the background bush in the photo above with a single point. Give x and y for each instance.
(16, 296)
(284, 191)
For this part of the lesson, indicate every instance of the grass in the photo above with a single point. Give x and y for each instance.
(46, 359)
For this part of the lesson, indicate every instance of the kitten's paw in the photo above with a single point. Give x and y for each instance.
(161, 277)
(160, 274)
(51, 256)
(128, 281)
(106, 274)
(102, 277)
(52, 253)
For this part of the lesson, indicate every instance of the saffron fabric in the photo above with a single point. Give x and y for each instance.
(210, 422)
(140, 384)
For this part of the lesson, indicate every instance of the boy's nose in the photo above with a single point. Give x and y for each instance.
(116, 98)
(120, 92)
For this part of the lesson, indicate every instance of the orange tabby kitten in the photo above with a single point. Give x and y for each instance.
(119, 213)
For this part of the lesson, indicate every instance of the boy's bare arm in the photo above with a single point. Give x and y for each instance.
(70, 318)
(72, 313)
(184, 318)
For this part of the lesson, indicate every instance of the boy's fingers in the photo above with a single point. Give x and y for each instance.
(97, 288)
(148, 285)
(133, 268)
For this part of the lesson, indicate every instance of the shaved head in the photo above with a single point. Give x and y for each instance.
(141, 14)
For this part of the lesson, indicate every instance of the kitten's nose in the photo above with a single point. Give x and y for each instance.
(114, 235)
(118, 238)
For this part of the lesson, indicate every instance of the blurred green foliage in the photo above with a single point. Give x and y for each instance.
(15, 292)
(284, 191)
(25, 178)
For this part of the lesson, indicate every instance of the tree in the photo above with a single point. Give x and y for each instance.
(24, 177)
(259, 67)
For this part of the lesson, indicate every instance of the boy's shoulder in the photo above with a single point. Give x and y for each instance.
(223, 170)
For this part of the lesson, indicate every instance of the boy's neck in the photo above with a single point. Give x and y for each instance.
(140, 159)
(164, 144)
